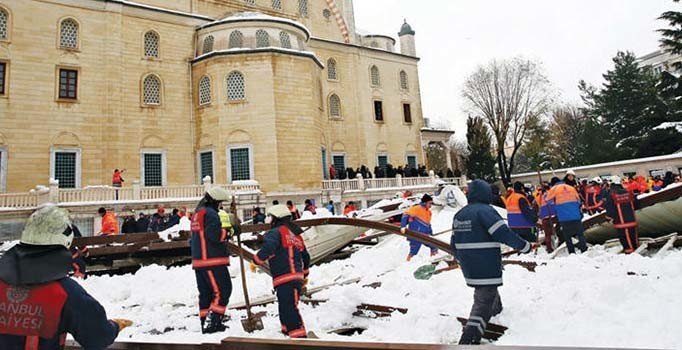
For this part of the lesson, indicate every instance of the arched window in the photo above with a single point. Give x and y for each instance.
(151, 90)
(375, 76)
(235, 87)
(68, 34)
(204, 91)
(327, 14)
(236, 39)
(208, 44)
(262, 38)
(303, 8)
(403, 81)
(331, 69)
(277, 4)
(4, 26)
(151, 44)
(334, 106)
(285, 40)
(250, 2)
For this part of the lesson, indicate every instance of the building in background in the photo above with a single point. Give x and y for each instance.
(660, 61)
(176, 90)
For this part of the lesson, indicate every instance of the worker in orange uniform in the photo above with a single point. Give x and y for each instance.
(418, 218)
(521, 217)
(567, 204)
(109, 222)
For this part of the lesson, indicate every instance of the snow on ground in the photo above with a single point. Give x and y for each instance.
(595, 299)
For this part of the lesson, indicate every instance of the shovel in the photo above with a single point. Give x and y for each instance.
(252, 322)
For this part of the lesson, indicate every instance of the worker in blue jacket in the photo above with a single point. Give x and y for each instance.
(478, 231)
(39, 303)
(284, 250)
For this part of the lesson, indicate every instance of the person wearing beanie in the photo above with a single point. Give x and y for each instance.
(34, 276)
(418, 218)
(567, 205)
(620, 206)
(478, 231)
(109, 222)
(284, 250)
(210, 260)
(520, 215)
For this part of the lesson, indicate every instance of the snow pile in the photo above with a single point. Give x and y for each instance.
(669, 125)
(319, 214)
(591, 300)
(174, 231)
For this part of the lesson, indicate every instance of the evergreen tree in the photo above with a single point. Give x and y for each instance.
(480, 163)
(535, 153)
(628, 105)
(672, 37)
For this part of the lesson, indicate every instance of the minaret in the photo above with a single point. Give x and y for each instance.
(407, 42)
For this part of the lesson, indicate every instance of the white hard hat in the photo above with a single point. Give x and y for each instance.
(616, 180)
(219, 194)
(570, 172)
(279, 211)
(597, 180)
(49, 225)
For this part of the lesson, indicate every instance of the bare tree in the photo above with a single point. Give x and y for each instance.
(507, 94)
(567, 126)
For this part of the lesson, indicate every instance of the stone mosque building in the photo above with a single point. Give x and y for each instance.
(174, 90)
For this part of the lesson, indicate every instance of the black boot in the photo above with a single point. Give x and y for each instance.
(214, 324)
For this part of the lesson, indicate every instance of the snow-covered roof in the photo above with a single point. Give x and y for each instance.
(256, 17)
(242, 50)
(160, 9)
(602, 165)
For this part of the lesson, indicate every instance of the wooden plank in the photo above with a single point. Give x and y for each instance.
(103, 240)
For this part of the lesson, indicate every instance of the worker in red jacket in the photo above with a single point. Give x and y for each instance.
(210, 260)
(592, 196)
(109, 222)
(284, 250)
(620, 208)
(117, 179)
(39, 303)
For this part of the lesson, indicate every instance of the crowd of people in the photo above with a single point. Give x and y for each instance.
(389, 171)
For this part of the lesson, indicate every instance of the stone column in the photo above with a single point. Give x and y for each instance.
(361, 182)
(136, 190)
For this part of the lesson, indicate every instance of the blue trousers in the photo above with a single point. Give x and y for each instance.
(288, 295)
(215, 288)
(415, 246)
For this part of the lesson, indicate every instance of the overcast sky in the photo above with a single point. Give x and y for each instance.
(574, 39)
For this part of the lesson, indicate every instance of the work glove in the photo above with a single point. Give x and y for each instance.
(253, 267)
(304, 289)
(122, 323)
(403, 230)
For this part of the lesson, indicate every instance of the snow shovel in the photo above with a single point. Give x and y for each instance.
(252, 322)
(427, 271)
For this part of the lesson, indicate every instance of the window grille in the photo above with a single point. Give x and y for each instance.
(378, 111)
(412, 161)
(3, 69)
(339, 161)
(303, 8)
(331, 69)
(327, 14)
(151, 90)
(65, 169)
(236, 39)
(382, 162)
(4, 18)
(285, 40)
(376, 77)
(277, 4)
(262, 38)
(68, 84)
(153, 169)
(240, 164)
(403, 81)
(151, 44)
(235, 87)
(68, 34)
(206, 164)
(204, 91)
(335, 106)
(208, 44)
(407, 113)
